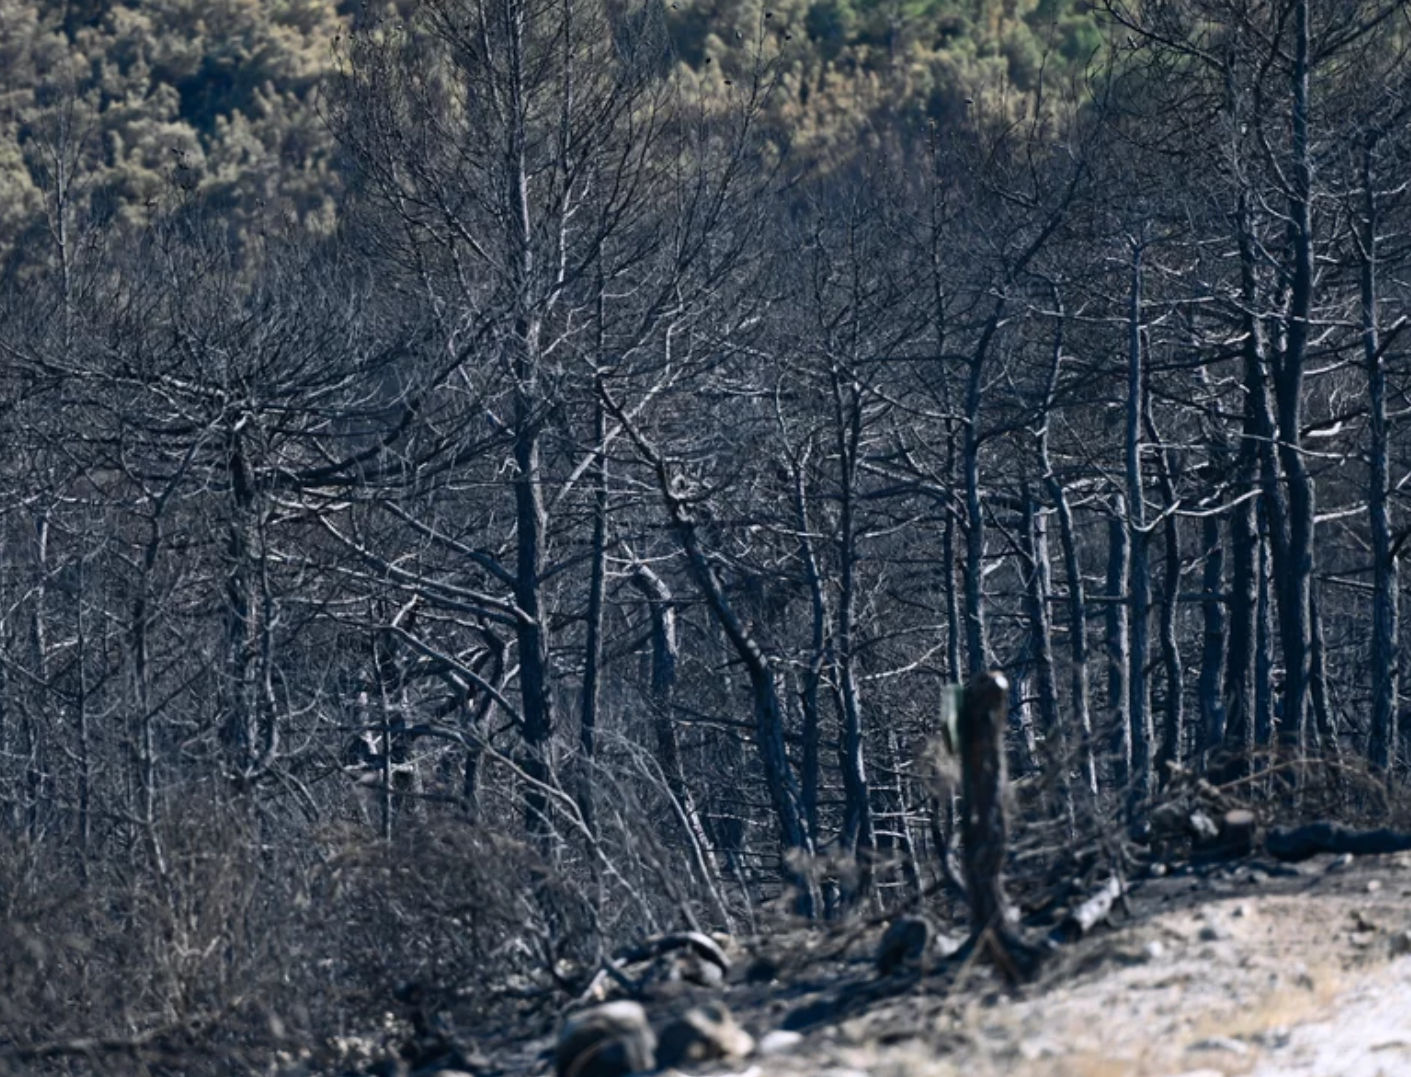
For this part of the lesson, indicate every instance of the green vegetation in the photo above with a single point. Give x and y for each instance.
(107, 109)
(112, 108)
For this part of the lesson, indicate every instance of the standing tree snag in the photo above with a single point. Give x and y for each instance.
(980, 743)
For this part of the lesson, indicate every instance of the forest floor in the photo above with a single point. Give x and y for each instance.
(1248, 968)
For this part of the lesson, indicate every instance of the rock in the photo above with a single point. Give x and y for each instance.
(904, 944)
(779, 1041)
(1220, 1043)
(611, 1040)
(1373, 885)
(693, 969)
(1401, 944)
(1213, 933)
(1273, 1039)
(1154, 950)
(1036, 1050)
(1202, 827)
(703, 1033)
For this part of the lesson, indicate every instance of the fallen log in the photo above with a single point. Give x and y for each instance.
(703, 946)
(1301, 842)
(1090, 913)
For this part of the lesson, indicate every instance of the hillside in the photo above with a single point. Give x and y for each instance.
(110, 109)
(488, 483)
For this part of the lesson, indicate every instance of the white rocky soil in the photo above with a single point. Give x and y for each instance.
(1236, 972)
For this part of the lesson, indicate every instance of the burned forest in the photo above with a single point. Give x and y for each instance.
(589, 536)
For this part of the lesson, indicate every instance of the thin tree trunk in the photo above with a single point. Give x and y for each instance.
(1385, 656)
(1172, 711)
(817, 656)
(242, 615)
(857, 838)
(1118, 660)
(1036, 596)
(976, 648)
(531, 628)
(381, 664)
(769, 720)
(768, 715)
(1212, 713)
(1243, 678)
(1318, 681)
(1139, 786)
(39, 637)
(1077, 603)
(146, 814)
(593, 643)
(1295, 568)
(903, 846)
(81, 704)
(955, 667)
(1264, 650)
(1273, 513)
(664, 657)
(1239, 688)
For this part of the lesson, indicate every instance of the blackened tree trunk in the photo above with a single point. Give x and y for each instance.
(857, 838)
(955, 667)
(818, 651)
(1037, 591)
(531, 630)
(1385, 656)
(1239, 688)
(975, 645)
(1139, 783)
(1264, 647)
(1243, 677)
(1118, 662)
(768, 714)
(1212, 712)
(1172, 710)
(984, 831)
(663, 684)
(1294, 568)
(1072, 570)
(492, 671)
(1273, 513)
(593, 641)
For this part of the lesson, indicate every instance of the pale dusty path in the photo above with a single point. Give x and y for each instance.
(1298, 979)
(1367, 1032)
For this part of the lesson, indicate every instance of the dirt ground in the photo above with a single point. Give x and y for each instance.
(1255, 969)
